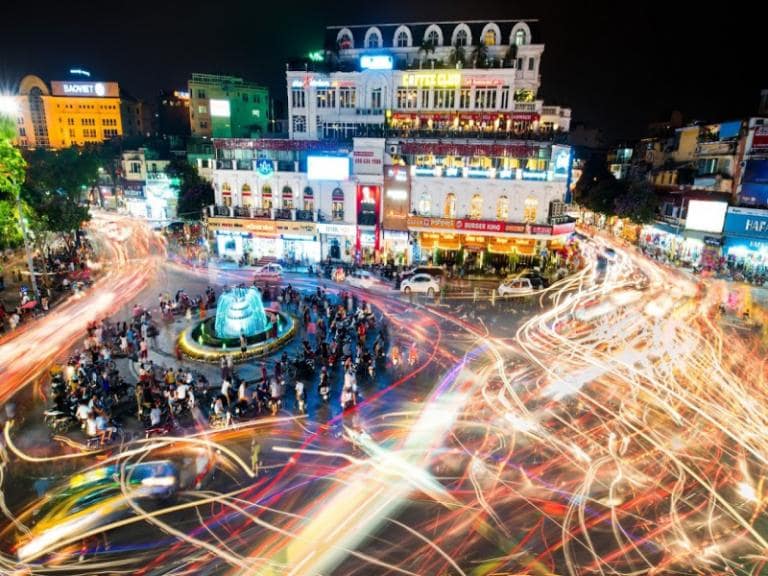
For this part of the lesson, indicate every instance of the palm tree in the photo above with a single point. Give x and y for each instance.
(427, 47)
(480, 55)
(458, 57)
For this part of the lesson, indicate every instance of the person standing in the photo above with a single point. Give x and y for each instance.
(243, 343)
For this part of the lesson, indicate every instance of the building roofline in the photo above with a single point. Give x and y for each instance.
(437, 22)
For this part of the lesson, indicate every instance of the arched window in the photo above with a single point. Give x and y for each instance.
(245, 193)
(402, 39)
(462, 39)
(266, 197)
(529, 209)
(309, 199)
(476, 207)
(337, 204)
(502, 208)
(520, 37)
(434, 38)
(345, 41)
(287, 197)
(490, 38)
(425, 204)
(226, 194)
(449, 209)
(373, 40)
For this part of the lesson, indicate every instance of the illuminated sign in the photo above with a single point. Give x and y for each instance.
(397, 194)
(433, 79)
(220, 108)
(181, 94)
(376, 62)
(316, 56)
(531, 175)
(327, 168)
(426, 171)
(337, 229)
(706, 216)
(90, 89)
(265, 167)
(561, 162)
(79, 72)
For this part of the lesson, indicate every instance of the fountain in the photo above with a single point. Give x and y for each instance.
(239, 310)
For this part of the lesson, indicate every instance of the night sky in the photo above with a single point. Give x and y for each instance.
(618, 65)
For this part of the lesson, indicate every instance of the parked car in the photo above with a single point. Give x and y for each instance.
(268, 271)
(435, 272)
(361, 279)
(420, 283)
(515, 287)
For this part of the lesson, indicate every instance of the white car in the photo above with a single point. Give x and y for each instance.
(361, 279)
(268, 271)
(421, 283)
(515, 287)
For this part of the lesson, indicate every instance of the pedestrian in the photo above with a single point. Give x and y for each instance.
(230, 366)
(243, 343)
(255, 456)
(143, 350)
(223, 365)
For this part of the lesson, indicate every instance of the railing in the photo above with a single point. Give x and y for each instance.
(221, 210)
(283, 214)
(242, 212)
(244, 165)
(369, 112)
(304, 215)
(224, 164)
(262, 212)
(525, 107)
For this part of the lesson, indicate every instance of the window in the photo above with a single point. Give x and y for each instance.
(108, 122)
(299, 123)
(309, 199)
(425, 204)
(520, 37)
(519, 64)
(203, 124)
(287, 197)
(135, 168)
(407, 98)
(245, 195)
(298, 98)
(425, 97)
(88, 121)
(266, 197)
(347, 97)
(337, 204)
(110, 132)
(502, 208)
(449, 209)
(445, 98)
(433, 38)
(345, 41)
(376, 98)
(402, 39)
(465, 98)
(22, 131)
(504, 98)
(461, 38)
(201, 94)
(490, 38)
(531, 63)
(485, 98)
(373, 40)
(476, 207)
(529, 209)
(202, 109)
(70, 121)
(245, 97)
(326, 98)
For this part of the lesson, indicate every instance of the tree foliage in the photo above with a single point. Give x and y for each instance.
(194, 192)
(638, 202)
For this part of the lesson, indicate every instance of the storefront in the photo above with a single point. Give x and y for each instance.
(666, 242)
(336, 241)
(395, 247)
(746, 238)
(271, 239)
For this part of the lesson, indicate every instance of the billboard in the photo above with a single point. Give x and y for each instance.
(85, 89)
(747, 222)
(760, 138)
(377, 62)
(368, 204)
(705, 216)
(220, 108)
(327, 168)
(561, 162)
(754, 187)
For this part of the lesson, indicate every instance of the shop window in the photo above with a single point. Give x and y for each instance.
(425, 204)
(266, 197)
(449, 210)
(529, 209)
(502, 208)
(476, 207)
(245, 195)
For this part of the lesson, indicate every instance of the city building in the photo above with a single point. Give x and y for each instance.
(619, 159)
(227, 107)
(173, 113)
(132, 114)
(476, 79)
(403, 155)
(70, 112)
(147, 191)
(752, 189)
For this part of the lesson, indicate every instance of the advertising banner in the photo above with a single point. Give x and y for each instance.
(368, 198)
(746, 222)
(760, 138)
(85, 89)
(754, 188)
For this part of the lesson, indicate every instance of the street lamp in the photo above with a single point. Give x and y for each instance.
(9, 111)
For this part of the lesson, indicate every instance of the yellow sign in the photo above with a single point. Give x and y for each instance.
(433, 79)
(269, 228)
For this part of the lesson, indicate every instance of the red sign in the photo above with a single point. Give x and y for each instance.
(485, 226)
(566, 228)
(525, 116)
(541, 230)
(760, 138)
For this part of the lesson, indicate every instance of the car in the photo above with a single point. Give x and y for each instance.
(537, 280)
(268, 271)
(361, 279)
(420, 283)
(515, 287)
(435, 271)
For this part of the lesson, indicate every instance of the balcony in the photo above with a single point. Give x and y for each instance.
(304, 215)
(262, 212)
(219, 210)
(283, 214)
(269, 213)
(242, 212)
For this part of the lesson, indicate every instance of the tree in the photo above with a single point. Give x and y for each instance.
(10, 231)
(602, 197)
(458, 55)
(639, 202)
(427, 47)
(510, 55)
(480, 55)
(194, 192)
(12, 163)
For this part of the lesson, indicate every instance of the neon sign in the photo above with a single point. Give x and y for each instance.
(433, 79)
(379, 62)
